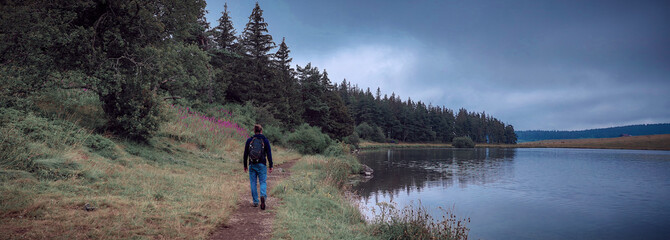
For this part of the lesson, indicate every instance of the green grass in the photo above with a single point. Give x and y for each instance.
(313, 206)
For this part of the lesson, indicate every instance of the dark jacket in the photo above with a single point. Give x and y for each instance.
(266, 156)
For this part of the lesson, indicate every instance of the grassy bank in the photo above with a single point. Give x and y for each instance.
(60, 179)
(649, 142)
(314, 206)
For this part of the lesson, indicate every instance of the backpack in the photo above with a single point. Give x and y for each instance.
(256, 150)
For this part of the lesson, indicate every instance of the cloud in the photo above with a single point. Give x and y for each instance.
(368, 65)
(537, 65)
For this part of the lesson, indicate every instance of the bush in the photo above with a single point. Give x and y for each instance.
(463, 142)
(132, 110)
(352, 140)
(335, 150)
(372, 133)
(308, 140)
(274, 134)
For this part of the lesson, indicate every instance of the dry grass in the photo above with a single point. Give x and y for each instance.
(649, 142)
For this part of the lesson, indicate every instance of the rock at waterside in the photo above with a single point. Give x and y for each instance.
(366, 170)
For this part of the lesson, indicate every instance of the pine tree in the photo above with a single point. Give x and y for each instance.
(287, 96)
(283, 61)
(224, 33)
(256, 41)
(316, 109)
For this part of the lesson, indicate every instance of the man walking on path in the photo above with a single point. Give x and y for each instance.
(257, 151)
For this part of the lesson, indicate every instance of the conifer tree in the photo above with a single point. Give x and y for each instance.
(224, 33)
(287, 96)
(256, 41)
(316, 109)
(283, 61)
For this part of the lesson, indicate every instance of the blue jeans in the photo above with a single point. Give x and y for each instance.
(259, 171)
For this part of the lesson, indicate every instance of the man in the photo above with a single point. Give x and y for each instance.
(257, 151)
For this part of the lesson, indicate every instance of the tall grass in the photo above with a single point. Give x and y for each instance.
(313, 206)
(33, 144)
(415, 222)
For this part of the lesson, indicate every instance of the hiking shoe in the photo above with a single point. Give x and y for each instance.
(262, 203)
(255, 205)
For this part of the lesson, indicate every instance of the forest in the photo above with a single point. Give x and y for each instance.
(136, 56)
(630, 130)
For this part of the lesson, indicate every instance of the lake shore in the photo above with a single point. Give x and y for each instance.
(648, 142)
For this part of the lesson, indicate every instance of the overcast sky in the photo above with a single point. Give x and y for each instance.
(547, 65)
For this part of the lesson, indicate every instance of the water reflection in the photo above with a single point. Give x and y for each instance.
(403, 171)
(530, 193)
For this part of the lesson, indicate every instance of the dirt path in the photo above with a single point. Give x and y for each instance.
(249, 222)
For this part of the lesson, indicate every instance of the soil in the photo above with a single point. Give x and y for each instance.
(248, 222)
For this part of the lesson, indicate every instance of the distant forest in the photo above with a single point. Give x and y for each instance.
(632, 130)
(136, 55)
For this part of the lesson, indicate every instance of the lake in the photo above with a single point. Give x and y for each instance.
(530, 193)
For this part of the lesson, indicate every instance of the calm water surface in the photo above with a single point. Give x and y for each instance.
(531, 193)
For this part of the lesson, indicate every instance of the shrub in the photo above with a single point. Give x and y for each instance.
(308, 140)
(336, 149)
(352, 140)
(463, 142)
(249, 115)
(132, 110)
(372, 133)
(274, 134)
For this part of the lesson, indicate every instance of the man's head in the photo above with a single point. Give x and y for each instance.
(258, 129)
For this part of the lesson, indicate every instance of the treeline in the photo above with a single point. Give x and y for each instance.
(379, 118)
(631, 130)
(136, 54)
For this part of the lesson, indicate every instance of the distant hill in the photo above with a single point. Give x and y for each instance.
(632, 130)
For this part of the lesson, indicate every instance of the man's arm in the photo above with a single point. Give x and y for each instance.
(269, 153)
(246, 154)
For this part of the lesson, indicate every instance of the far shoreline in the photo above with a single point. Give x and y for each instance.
(646, 142)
